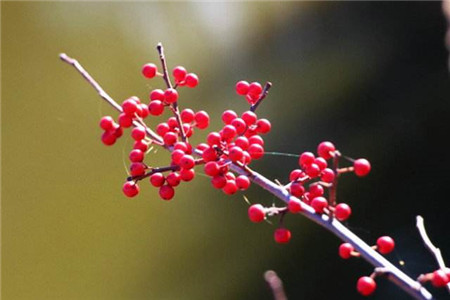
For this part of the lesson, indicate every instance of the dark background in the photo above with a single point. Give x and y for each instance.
(370, 76)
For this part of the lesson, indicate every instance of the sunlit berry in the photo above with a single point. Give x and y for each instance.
(256, 213)
(176, 156)
(187, 162)
(326, 150)
(306, 158)
(439, 279)
(345, 250)
(295, 205)
(385, 244)
(129, 107)
(187, 174)
(256, 151)
(242, 87)
(230, 187)
(162, 128)
(136, 155)
(156, 107)
(157, 179)
(256, 139)
(218, 181)
(170, 95)
(235, 153)
(107, 123)
(166, 192)
(342, 211)
(202, 119)
(319, 204)
(297, 189)
(361, 167)
(255, 89)
(242, 182)
(137, 169)
(316, 190)
(263, 126)
(173, 179)
(282, 235)
(191, 80)
(366, 285)
(209, 154)
(130, 189)
(149, 70)
(138, 133)
(187, 115)
(179, 73)
(312, 170)
(109, 138)
(327, 175)
(157, 94)
(170, 138)
(141, 145)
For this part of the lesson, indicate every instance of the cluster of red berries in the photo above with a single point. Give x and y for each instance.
(251, 91)
(308, 185)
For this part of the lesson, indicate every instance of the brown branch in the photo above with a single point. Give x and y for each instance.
(264, 93)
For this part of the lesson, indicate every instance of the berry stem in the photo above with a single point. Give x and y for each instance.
(71, 61)
(173, 106)
(436, 252)
(264, 93)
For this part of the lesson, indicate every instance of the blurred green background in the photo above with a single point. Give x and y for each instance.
(371, 77)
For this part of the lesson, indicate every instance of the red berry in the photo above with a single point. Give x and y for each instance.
(157, 179)
(345, 250)
(326, 150)
(144, 111)
(172, 122)
(136, 155)
(249, 117)
(170, 95)
(327, 175)
(235, 153)
(125, 120)
(138, 133)
(255, 89)
(209, 155)
(109, 138)
(256, 151)
(213, 138)
(342, 211)
(385, 244)
(263, 126)
(439, 279)
(191, 80)
(118, 131)
(228, 116)
(361, 167)
(187, 174)
(170, 138)
(130, 189)
(256, 139)
(185, 147)
(141, 145)
(202, 119)
(157, 94)
(256, 213)
(319, 204)
(282, 235)
(187, 115)
(211, 168)
(242, 87)
(297, 189)
(179, 73)
(149, 70)
(166, 192)
(176, 156)
(137, 169)
(156, 107)
(251, 98)
(187, 162)
(306, 158)
(162, 128)
(228, 132)
(295, 205)
(312, 170)
(241, 142)
(242, 182)
(296, 174)
(107, 123)
(130, 107)
(230, 187)
(321, 162)
(240, 125)
(219, 181)
(173, 179)
(366, 285)
(316, 190)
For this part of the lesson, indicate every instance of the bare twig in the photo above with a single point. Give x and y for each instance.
(436, 252)
(64, 57)
(264, 93)
(275, 284)
(446, 11)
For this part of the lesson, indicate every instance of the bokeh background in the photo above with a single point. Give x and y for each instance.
(370, 76)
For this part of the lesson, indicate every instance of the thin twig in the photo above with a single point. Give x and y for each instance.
(71, 61)
(275, 284)
(264, 93)
(436, 252)
(173, 106)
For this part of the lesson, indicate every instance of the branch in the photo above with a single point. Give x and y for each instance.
(275, 284)
(264, 93)
(71, 61)
(433, 249)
